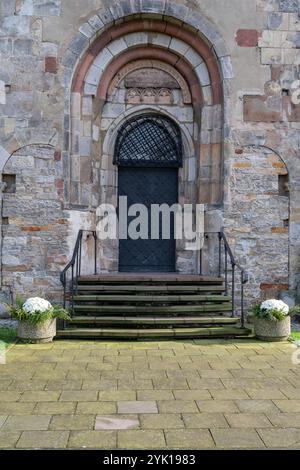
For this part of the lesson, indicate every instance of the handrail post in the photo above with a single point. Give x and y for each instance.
(95, 252)
(80, 250)
(233, 289)
(72, 289)
(226, 269)
(220, 253)
(200, 262)
(242, 300)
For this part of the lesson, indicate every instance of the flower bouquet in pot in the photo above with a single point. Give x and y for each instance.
(37, 319)
(272, 320)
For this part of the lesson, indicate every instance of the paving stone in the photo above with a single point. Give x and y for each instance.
(43, 440)
(141, 439)
(30, 396)
(284, 420)
(161, 421)
(74, 395)
(149, 395)
(265, 393)
(8, 439)
(256, 406)
(54, 385)
(229, 394)
(117, 422)
(55, 408)
(211, 384)
(16, 408)
(290, 392)
(27, 423)
(280, 438)
(98, 408)
(204, 420)
(250, 420)
(170, 384)
(80, 422)
(177, 406)
(23, 385)
(116, 395)
(93, 440)
(2, 420)
(287, 406)
(5, 384)
(214, 374)
(137, 407)
(237, 439)
(189, 439)
(217, 406)
(10, 396)
(135, 384)
(191, 394)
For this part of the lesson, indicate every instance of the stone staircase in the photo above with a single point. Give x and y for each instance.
(145, 306)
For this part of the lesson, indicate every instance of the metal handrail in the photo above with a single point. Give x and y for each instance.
(229, 259)
(74, 267)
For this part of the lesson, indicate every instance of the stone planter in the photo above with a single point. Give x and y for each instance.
(268, 330)
(37, 333)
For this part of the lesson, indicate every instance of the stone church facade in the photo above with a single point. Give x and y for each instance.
(73, 72)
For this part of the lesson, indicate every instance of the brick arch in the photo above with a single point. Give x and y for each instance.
(154, 26)
(96, 63)
(149, 53)
(153, 64)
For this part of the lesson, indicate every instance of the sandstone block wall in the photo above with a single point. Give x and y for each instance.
(47, 195)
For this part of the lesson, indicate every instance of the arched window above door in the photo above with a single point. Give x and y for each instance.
(149, 140)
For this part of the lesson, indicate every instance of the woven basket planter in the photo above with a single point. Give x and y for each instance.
(37, 333)
(268, 330)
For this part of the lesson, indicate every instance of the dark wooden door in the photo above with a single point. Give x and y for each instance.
(148, 185)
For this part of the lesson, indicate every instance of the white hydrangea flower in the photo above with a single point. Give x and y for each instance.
(275, 304)
(36, 304)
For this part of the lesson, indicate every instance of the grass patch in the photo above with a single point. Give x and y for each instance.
(295, 336)
(8, 336)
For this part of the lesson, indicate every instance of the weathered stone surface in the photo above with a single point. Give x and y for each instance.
(39, 7)
(41, 43)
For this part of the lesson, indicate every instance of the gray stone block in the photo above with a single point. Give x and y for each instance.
(177, 11)
(127, 7)
(96, 23)
(87, 30)
(22, 47)
(153, 6)
(116, 11)
(17, 26)
(105, 16)
(202, 74)
(38, 7)
(274, 20)
(226, 67)
(7, 8)
(79, 44)
(69, 60)
(5, 47)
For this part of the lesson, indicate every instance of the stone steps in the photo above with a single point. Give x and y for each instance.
(151, 306)
(162, 310)
(154, 333)
(158, 320)
(162, 299)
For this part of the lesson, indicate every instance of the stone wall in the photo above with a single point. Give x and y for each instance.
(259, 58)
(34, 225)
